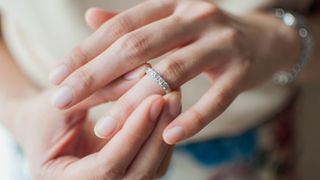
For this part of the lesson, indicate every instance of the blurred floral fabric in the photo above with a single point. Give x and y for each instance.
(266, 152)
(13, 165)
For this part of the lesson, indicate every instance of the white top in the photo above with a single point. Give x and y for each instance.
(39, 32)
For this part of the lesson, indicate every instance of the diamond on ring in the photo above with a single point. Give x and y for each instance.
(157, 77)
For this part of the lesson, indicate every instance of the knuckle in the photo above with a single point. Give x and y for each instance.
(77, 57)
(235, 40)
(110, 170)
(134, 44)
(174, 72)
(233, 36)
(202, 9)
(245, 66)
(140, 176)
(125, 105)
(222, 99)
(84, 79)
(206, 9)
(178, 19)
(232, 39)
(198, 119)
(102, 97)
(120, 26)
(164, 3)
(111, 174)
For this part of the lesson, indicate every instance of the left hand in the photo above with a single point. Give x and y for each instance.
(60, 144)
(236, 53)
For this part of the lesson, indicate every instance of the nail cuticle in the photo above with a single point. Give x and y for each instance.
(174, 134)
(105, 127)
(58, 74)
(63, 97)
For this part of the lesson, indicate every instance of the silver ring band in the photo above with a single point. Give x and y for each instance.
(157, 77)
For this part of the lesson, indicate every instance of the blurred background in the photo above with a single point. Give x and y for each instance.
(308, 128)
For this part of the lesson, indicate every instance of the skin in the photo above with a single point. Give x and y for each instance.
(233, 51)
(19, 95)
(63, 145)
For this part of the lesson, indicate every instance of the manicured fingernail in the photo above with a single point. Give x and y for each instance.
(105, 127)
(135, 74)
(174, 105)
(62, 97)
(58, 74)
(155, 109)
(174, 134)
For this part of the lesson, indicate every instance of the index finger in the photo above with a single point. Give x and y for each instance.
(108, 33)
(112, 161)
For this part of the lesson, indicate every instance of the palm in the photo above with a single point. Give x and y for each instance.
(57, 138)
(75, 141)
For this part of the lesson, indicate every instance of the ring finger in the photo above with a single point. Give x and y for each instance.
(155, 152)
(128, 52)
(108, 33)
(178, 68)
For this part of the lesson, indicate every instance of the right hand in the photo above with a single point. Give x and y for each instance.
(60, 145)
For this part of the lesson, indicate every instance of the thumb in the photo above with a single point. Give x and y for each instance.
(95, 17)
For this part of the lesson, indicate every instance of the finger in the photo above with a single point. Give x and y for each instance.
(211, 105)
(122, 108)
(165, 164)
(128, 52)
(178, 68)
(114, 90)
(109, 32)
(155, 150)
(114, 158)
(129, 140)
(95, 17)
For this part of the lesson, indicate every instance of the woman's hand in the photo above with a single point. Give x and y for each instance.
(236, 52)
(60, 144)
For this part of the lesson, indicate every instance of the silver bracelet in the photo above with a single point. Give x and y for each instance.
(291, 19)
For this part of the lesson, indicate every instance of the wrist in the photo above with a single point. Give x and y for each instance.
(8, 111)
(284, 45)
(11, 108)
(277, 46)
(9, 116)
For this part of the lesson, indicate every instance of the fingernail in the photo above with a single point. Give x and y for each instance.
(174, 105)
(105, 127)
(58, 74)
(135, 74)
(174, 134)
(62, 97)
(155, 109)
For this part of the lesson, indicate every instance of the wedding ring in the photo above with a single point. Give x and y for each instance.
(157, 77)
